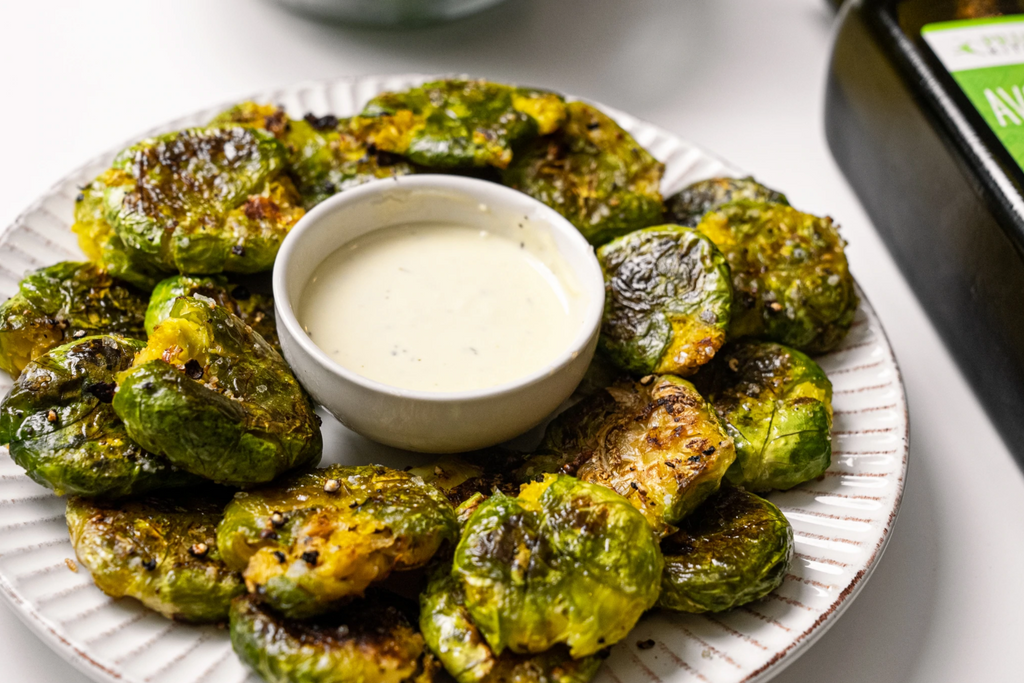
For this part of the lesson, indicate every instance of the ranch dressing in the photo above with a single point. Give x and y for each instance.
(440, 307)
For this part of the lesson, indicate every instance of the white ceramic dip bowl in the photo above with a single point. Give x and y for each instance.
(432, 421)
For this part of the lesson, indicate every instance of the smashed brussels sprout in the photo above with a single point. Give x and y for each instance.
(565, 562)
(735, 549)
(461, 477)
(256, 310)
(311, 542)
(325, 154)
(593, 173)
(791, 280)
(96, 237)
(203, 200)
(62, 302)
(668, 300)
(688, 206)
(217, 400)
(452, 636)
(60, 426)
(368, 641)
(460, 124)
(777, 406)
(656, 442)
(159, 550)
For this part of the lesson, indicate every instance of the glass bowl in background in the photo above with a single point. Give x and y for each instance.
(388, 12)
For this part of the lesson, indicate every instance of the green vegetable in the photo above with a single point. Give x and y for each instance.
(656, 442)
(255, 309)
(159, 550)
(735, 549)
(461, 477)
(368, 641)
(565, 562)
(62, 302)
(217, 400)
(457, 642)
(311, 542)
(688, 206)
(593, 173)
(97, 239)
(789, 272)
(460, 124)
(668, 300)
(325, 154)
(203, 200)
(777, 406)
(60, 426)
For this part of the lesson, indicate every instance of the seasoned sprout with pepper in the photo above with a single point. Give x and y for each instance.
(60, 427)
(592, 172)
(161, 550)
(455, 124)
(97, 239)
(656, 442)
(217, 400)
(457, 642)
(565, 562)
(325, 154)
(367, 641)
(63, 302)
(255, 309)
(735, 549)
(310, 543)
(776, 404)
(790, 276)
(203, 200)
(688, 206)
(461, 477)
(668, 300)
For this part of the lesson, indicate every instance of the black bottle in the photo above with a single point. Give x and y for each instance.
(922, 116)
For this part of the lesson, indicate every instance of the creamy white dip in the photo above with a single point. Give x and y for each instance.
(439, 307)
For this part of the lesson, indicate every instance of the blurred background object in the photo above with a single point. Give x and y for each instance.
(399, 13)
(943, 190)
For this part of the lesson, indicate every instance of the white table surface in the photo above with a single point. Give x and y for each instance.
(744, 78)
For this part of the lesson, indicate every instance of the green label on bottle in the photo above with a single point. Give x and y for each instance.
(986, 58)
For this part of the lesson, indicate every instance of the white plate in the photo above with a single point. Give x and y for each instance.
(842, 521)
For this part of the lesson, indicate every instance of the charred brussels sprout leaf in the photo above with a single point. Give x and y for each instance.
(789, 272)
(326, 160)
(593, 173)
(312, 542)
(159, 550)
(217, 400)
(203, 200)
(777, 406)
(60, 426)
(735, 549)
(565, 562)
(460, 124)
(656, 442)
(461, 477)
(63, 302)
(689, 206)
(268, 117)
(452, 636)
(256, 310)
(96, 237)
(668, 301)
(325, 154)
(368, 641)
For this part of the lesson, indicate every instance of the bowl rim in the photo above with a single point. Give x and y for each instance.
(589, 273)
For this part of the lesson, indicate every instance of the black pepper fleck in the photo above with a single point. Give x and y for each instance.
(193, 369)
